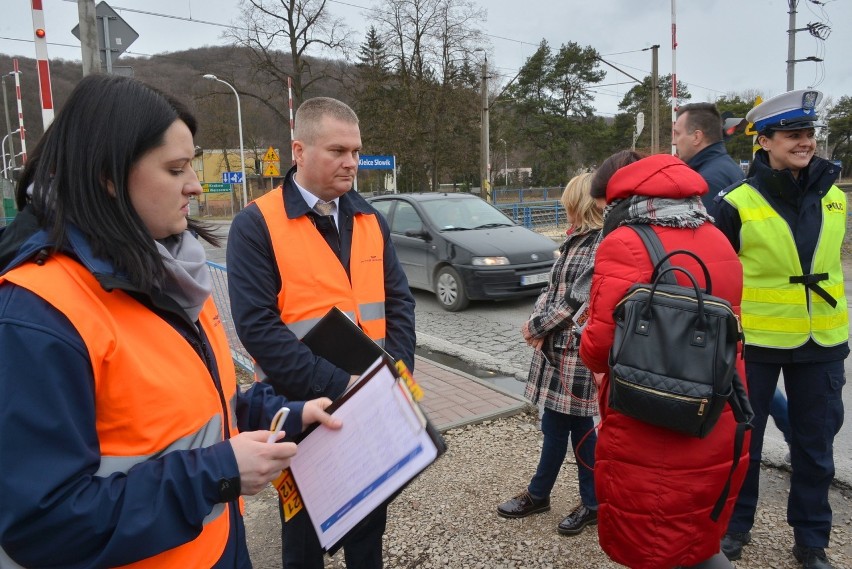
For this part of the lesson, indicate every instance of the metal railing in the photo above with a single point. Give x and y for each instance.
(521, 195)
(219, 274)
(538, 216)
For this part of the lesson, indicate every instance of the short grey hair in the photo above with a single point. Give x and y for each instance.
(311, 112)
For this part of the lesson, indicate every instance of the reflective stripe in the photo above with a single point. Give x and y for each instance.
(6, 561)
(259, 374)
(302, 327)
(207, 435)
(775, 296)
(372, 310)
(232, 408)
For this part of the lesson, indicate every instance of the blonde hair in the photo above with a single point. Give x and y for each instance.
(310, 113)
(578, 202)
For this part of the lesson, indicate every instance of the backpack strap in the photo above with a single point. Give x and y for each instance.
(743, 414)
(738, 399)
(656, 252)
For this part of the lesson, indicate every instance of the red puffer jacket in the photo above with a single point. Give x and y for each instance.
(656, 487)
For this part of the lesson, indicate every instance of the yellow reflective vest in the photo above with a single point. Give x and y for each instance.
(783, 305)
(312, 278)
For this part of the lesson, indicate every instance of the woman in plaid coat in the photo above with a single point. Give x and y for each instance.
(558, 380)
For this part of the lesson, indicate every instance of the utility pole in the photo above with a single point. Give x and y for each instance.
(484, 150)
(674, 75)
(655, 100)
(819, 30)
(791, 45)
(89, 37)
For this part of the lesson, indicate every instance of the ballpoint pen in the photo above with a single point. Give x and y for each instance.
(277, 423)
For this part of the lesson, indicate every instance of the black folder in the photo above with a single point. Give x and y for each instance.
(341, 341)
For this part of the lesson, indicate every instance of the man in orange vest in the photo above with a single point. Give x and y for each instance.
(295, 253)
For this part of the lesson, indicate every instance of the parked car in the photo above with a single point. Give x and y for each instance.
(463, 248)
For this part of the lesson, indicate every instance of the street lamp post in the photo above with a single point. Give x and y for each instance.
(212, 77)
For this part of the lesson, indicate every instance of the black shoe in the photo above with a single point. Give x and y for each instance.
(811, 557)
(577, 520)
(523, 505)
(733, 542)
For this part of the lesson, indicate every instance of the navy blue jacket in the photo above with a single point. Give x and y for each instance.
(254, 283)
(49, 499)
(798, 202)
(717, 168)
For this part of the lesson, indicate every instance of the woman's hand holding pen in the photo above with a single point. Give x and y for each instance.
(258, 461)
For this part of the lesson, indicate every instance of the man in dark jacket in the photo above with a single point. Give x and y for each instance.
(698, 137)
(325, 246)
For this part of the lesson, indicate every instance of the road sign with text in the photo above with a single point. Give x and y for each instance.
(366, 162)
(215, 188)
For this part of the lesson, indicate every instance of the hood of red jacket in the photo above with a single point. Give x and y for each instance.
(658, 176)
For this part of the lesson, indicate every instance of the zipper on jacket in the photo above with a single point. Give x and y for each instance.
(201, 348)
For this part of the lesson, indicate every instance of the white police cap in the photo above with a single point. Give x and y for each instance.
(792, 110)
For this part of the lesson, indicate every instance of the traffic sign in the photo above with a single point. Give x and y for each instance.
(271, 169)
(271, 156)
(215, 188)
(750, 128)
(232, 177)
(121, 35)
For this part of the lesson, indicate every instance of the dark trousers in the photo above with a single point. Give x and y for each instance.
(778, 412)
(362, 548)
(557, 429)
(815, 410)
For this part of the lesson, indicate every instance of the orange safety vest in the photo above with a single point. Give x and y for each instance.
(141, 413)
(312, 277)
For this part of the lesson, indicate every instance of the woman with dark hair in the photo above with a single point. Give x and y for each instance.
(787, 222)
(119, 409)
(656, 487)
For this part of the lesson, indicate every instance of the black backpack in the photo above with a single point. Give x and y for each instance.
(673, 360)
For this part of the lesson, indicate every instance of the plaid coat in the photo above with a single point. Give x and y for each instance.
(557, 378)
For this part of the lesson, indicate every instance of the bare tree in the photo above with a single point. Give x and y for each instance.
(429, 44)
(287, 38)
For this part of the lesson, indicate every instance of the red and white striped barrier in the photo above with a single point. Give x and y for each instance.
(22, 133)
(43, 65)
(290, 97)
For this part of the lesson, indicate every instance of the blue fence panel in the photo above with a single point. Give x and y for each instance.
(219, 274)
(538, 216)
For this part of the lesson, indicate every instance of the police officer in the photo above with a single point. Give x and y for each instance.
(787, 222)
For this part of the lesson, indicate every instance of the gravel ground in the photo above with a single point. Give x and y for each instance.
(447, 517)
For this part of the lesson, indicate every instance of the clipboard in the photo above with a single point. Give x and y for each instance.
(393, 444)
(342, 342)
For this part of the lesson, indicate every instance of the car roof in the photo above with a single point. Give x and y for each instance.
(427, 196)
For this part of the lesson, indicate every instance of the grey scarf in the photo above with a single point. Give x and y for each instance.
(188, 280)
(638, 210)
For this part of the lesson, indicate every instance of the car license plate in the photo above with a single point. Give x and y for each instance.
(534, 279)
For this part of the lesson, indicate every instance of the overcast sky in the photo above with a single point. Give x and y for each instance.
(724, 46)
